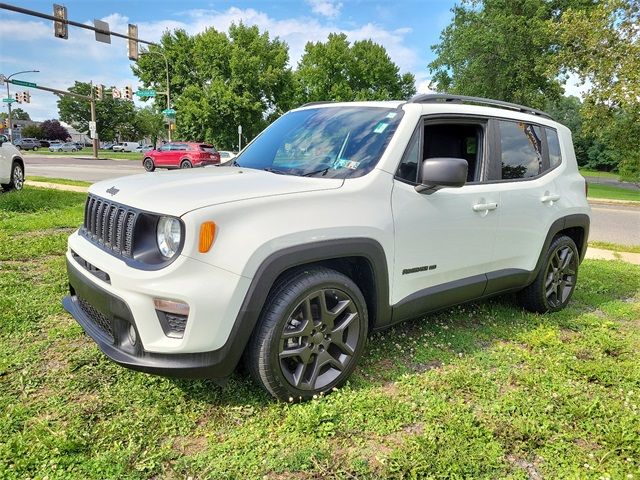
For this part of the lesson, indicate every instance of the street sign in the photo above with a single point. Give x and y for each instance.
(23, 83)
(102, 31)
(169, 112)
(146, 93)
(239, 129)
(8, 100)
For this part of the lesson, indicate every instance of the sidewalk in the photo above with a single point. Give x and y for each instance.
(601, 254)
(57, 186)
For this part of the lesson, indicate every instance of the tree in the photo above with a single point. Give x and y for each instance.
(31, 131)
(501, 49)
(148, 123)
(220, 81)
(114, 117)
(52, 130)
(602, 46)
(336, 70)
(16, 114)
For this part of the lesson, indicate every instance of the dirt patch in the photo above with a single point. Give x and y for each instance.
(189, 445)
(425, 367)
(45, 232)
(530, 467)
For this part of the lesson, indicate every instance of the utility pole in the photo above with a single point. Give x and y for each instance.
(93, 121)
(239, 138)
(168, 92)
(9, 96)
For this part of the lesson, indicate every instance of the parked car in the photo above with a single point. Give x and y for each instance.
(107, 146)
(337, 220)
(125, 147)
(79, 145)
(63, 147)
(27, 144)
(226, 156)
(143, 148)
(11, 166)
(181, 155)
(44, 143)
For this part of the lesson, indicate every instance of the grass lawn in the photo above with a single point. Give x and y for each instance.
(616, 247)
(586, 172)
(59, 181)
(606, 191)
(88, 152)
(477, 391)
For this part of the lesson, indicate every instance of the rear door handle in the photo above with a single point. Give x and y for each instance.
(483, 207)
(550, 198)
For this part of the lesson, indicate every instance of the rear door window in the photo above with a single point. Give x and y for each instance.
(521, 147)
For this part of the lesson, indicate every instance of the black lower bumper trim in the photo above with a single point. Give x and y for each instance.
(216, 364)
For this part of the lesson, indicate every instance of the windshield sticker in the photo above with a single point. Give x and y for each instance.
(380, 127)
(353, 165)
(391, 115)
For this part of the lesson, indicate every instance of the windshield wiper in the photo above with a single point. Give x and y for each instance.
(324, 171)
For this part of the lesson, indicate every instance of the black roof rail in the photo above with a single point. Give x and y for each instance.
(446, 98)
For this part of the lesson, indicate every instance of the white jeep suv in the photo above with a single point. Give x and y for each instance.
(338, 219)
(11, 166)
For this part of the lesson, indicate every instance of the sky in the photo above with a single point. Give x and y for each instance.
(406, 28)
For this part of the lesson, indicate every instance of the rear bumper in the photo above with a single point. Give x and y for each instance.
(107, 319)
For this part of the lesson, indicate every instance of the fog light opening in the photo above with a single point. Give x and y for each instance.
(133, 336)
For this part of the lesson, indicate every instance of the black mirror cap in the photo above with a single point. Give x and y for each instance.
(442, 172)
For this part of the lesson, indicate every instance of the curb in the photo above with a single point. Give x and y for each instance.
(611, 201)
(57, 186)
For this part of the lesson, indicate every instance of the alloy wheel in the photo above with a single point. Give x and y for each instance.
(18, 177)
(560, 276)
(319, 339)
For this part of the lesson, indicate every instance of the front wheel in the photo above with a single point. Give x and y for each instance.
(17, 178)
(35, 149)
(148, 165)
(556, 281)
(310, 335)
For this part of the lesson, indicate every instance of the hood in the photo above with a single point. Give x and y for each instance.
(177, 192)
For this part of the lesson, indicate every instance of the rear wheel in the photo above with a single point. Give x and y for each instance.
(17, 178)
(148, 164)
(185, 164)
(556, 281)
(35, 149)
(310, 336)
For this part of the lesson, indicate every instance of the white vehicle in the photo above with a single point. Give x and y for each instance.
(125, 147)
(337, 220)
(11, 166)
(226, 156)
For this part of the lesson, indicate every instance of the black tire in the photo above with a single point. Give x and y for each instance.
(296, 358)
(148, 164)
(185, 164)
(17, 178)
(554, 285)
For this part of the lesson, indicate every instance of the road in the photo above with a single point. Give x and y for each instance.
(609, 223)
(71, 168)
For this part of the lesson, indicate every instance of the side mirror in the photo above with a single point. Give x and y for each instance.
(442, 172)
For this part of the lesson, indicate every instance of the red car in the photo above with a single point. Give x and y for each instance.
(180, 155)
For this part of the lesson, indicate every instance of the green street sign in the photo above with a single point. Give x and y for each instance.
(146, 93)
(24, 84)
(169, 112)
(8, 100)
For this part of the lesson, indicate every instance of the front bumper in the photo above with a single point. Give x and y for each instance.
(107, 319)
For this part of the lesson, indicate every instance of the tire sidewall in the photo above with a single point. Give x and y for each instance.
(273, 340)
(185, 162)
(12, 183)
(145, 162)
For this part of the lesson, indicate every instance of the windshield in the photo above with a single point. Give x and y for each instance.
(334, 142)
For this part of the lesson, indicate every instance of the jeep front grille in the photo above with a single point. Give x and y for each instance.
(109, 224)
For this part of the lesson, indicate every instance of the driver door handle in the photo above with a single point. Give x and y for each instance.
(483, 207)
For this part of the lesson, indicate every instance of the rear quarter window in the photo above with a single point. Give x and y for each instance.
(555, 157)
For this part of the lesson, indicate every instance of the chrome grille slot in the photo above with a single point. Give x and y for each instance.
(110, 224)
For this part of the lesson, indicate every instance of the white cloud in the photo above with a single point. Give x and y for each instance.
(82, 58)
(326, 8)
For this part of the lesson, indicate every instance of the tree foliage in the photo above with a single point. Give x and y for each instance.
(501, 49)
(336, 70)
(114, 117)
(16, 114)
(602, 46)
(52, 130)
(31, 131)
(220, 81)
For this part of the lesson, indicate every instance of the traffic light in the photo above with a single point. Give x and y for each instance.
(26, 97)
(128, 93)
(133, 42)
(60, 27)
(99, 92)
(19, 97)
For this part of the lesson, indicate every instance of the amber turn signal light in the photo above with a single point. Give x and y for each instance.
(207, 234)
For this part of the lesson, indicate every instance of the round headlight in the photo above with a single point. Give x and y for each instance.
(169, 235)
